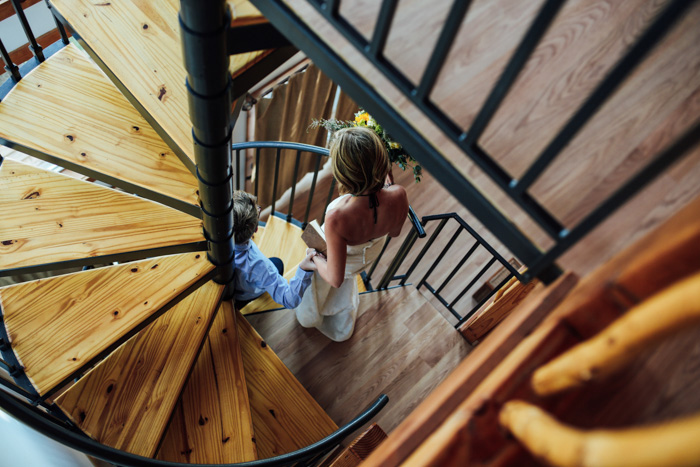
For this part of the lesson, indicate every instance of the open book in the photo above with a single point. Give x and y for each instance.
(314, 237)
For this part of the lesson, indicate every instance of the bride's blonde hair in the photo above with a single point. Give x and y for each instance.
(360, 160)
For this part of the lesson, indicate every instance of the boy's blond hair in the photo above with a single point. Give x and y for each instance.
(245, 216)
(360, 160)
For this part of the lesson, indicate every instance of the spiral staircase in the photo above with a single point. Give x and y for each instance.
(139, 350)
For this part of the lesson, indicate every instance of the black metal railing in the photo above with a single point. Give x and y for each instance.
(58, 430)
(540, 263)
(431, 245)
(17, 70)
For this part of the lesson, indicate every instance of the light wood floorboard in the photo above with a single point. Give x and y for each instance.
(401, 346)
(68, 109)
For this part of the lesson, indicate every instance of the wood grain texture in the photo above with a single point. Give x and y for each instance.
(575, 53)
(57, 325)
(360, 447)
(69, 109)
(417, 426)
(283, 240)
(126, 401)
(49, 217)
(495, 311)
(212, 420)
(155, 74)
(401, 347)
(285, 416)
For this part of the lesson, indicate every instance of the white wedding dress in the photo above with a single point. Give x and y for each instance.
(334, 311)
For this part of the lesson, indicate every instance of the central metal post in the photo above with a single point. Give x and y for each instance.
(204, 25)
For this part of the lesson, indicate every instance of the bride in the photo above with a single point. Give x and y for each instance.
(357, 223)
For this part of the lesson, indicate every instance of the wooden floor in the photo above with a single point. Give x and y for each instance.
(401, 347)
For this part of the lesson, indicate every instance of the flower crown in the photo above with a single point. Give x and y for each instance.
(397, 154)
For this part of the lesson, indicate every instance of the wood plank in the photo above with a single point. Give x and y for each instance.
(496, 310)
(285, 416)
(283, 240)
(155, 75)
(49, 217)
(359, 448)
(59, 324)
(67, 108)
(126, 401)
(212, 422)
(655, 104)
(441, 402)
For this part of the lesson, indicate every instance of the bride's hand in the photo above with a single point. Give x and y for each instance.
(307, 264)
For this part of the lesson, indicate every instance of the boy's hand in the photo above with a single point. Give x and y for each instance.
(307, 263)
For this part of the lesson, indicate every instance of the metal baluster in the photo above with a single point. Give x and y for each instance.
(311, 193)
(604, 90)
(398, 259)
(442, 48)
(274, 183)
(34, 45)
(469, 286)
(257, 170)
(238, 165)
(440, 256)
(537, 30)
(59, 25)
(428, 244)
(374, 266)
(9, 66)
(457, 268)
(381, 28)
(294, 185)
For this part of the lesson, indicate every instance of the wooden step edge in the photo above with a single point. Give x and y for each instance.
(208, 427)
(285, 416)
(151, 415)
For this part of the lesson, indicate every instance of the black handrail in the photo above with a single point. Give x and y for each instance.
(46, 425)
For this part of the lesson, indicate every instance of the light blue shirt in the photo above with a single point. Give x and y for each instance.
(255, 274)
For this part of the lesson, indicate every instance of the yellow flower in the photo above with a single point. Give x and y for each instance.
(394, 145)
(363, 117)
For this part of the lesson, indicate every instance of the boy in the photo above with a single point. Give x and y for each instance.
(255, 273)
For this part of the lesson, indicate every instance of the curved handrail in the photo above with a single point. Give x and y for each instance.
(40, 422)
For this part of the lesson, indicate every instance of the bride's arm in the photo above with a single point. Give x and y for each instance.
(332, 268)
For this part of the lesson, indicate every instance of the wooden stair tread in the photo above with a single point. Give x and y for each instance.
(156, 74)
(67, 108)
(58, 325)
(49, 217)
(285, 416)
(283, 240)
(212, 421)
(126, 401)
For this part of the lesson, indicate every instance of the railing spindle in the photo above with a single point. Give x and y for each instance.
(473, 281)
(406, 246)
(381, 28)
(257, 170)
(604, 90)
(483, 300)
(458, 267)
(440, 256)
(536, 31)
(274, 183)
(294, 185)
(237, 181)
(9, 66)
(442, 48)
(311, 193)
(34, 45)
